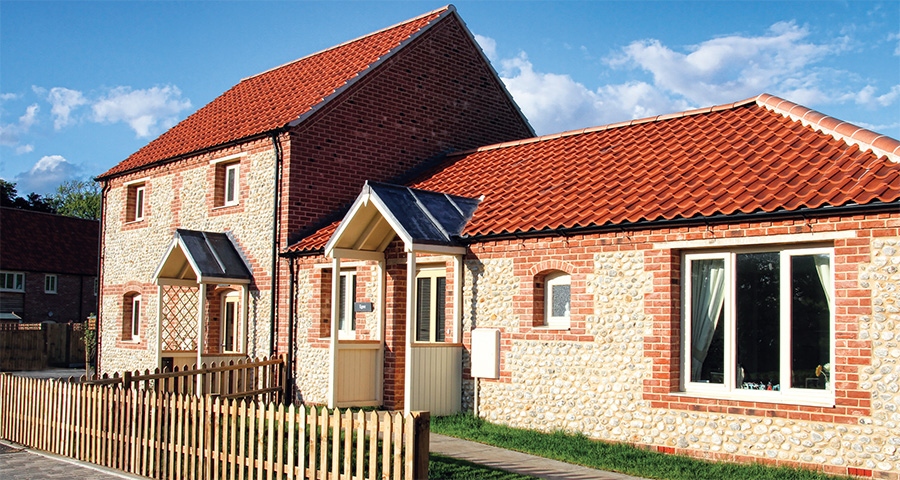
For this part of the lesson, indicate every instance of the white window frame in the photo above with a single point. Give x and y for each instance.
(17, 284)
(231, 192)
(347, 315)
(232, 300)
(729, 388)
(50, 283)
(136, 318)
(552, 280)
(433, 274)
(139, 199)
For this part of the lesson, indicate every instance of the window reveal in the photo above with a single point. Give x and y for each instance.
(431, 302)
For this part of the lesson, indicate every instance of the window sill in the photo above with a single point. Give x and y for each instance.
(552, 328)
(135, 222)
(824, 400)
(225, 207)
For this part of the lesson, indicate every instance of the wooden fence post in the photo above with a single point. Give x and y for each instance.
(420, 448)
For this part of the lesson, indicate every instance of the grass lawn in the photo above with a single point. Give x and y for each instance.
(615, 457)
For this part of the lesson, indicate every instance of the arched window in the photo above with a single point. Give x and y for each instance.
(557, 299)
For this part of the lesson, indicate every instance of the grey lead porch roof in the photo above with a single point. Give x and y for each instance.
(206, 257)
(418, 217)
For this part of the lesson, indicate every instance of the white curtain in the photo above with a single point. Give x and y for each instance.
(823, 268)
(707, 298)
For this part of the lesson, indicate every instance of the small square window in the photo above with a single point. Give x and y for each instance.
(49, 283)
(12, 281)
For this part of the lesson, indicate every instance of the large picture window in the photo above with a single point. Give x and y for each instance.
(431, 303)
(759, 321)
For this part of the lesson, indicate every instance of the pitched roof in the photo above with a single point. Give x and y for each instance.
(419, 217)
(279, 97)
(43, 242)
(211, 256)
(759, 155)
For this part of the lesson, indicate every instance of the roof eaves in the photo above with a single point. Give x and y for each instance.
(880, 145)
(444, 12)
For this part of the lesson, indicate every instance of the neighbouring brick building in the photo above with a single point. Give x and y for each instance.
(48, 267)
(722, 283)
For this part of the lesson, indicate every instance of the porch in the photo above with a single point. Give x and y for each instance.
(425, 300)
(203, 293)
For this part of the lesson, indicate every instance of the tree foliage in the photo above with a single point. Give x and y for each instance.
(9, 197)
(77, 198)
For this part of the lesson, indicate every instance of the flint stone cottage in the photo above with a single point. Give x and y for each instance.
(722, 283)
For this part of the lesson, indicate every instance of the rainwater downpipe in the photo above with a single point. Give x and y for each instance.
(276, 205)
(99, 301)
(289, 381)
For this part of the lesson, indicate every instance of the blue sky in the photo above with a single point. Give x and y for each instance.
(85, 84)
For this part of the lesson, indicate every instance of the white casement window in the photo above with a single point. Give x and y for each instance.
(231, 323)
(232, 184)
(136, 317)
(347, 297)
(431, 303)
(557, 300)
(759, 324)
(50, 283)
(12, 281)
(138, 202)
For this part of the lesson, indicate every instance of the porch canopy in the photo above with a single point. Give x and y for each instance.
(426, 222)
(194, 260)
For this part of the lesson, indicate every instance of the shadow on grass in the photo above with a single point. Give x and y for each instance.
(446, 468)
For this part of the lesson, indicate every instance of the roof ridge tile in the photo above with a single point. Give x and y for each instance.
(839, 129)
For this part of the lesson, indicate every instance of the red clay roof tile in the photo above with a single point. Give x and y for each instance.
(757, 155)
(277, 97)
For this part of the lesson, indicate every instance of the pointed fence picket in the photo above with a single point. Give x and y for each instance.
(175, 436)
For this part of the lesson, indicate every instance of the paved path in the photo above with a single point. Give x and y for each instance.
(517, 462)
(18, 463)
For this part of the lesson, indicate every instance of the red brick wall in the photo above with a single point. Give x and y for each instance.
(73, 301)
(436, 95)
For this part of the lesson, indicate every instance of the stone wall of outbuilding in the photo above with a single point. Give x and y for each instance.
(603, 376)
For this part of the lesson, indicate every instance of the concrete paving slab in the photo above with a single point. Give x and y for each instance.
(19, 463)
(517, 462)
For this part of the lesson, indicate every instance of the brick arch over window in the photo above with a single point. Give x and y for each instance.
(532, 298)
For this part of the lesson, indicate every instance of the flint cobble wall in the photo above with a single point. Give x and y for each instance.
(182, 195)
(600, 381)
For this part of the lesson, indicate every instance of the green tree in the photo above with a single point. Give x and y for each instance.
(9, 198)
(77, 198)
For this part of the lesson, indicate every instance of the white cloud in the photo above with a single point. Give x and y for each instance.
(10, 134)
(63, 101)
(895, 37)
(868, 98)
(49, 172)
(4, 97)
(488, 45)
(21, 149)
(146, 111)
(554, 102)
(728, 68)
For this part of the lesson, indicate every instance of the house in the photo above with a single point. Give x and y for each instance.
(721, 283)
(48, 267)
(194, 223)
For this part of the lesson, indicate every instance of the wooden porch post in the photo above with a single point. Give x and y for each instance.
(457, 298)
(159, 323)
(201, 307)
(333, 347)
(410, 329)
